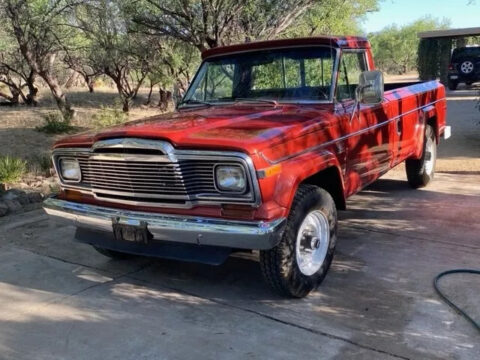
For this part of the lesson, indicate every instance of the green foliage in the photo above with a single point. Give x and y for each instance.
(427, 63)
(55, 123)
(109, 116)
(431, 62)
(332, 17)
(396, 48)
(11, 169)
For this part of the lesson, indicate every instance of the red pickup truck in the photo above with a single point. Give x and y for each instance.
(266, 145)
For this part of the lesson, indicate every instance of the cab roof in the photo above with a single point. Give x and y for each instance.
(344, 42)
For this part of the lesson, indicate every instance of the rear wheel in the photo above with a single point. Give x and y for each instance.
(467, 67)
(300, 262)
(113, 254)
(452, 85)
(421, 171)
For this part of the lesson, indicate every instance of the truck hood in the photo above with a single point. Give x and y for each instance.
(248, 128)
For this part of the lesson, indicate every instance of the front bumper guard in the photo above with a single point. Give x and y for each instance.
(253, 235)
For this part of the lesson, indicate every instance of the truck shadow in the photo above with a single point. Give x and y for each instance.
(377, 294)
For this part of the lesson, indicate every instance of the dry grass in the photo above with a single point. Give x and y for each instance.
(19, 138)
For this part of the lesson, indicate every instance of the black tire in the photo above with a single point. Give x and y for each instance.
(117, 255)
(418, 172)
(279, 265)
(452, 85)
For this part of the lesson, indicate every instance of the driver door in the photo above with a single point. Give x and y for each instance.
(368, 152)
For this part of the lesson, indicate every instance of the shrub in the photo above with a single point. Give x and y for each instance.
(109, 116)
(11, 169)
(55, 124)
(41, 164)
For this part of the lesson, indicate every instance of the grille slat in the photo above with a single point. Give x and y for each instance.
(161, 184)
(143, 179)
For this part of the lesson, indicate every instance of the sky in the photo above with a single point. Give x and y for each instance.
(402, 12)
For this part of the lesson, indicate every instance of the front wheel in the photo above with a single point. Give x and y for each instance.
(300, 262)
(421, 171)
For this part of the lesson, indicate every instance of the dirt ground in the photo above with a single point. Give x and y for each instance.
(18, 136)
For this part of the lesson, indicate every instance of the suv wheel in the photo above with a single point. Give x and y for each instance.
(467, 67)
(452, 85)
(301, 260)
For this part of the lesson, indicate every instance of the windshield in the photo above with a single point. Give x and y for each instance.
(284, 75)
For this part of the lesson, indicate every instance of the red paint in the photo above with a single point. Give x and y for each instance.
(304, 139)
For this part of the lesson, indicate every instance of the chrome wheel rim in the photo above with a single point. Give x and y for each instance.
(430, 153)
(467, 67)
(313, 240)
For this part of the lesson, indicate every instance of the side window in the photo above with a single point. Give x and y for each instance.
(351, 65)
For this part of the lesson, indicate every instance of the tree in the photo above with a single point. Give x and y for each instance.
(333, 17)
(396, 48)
(210, 23)
(36, 25)
(77, 56)
(125, 57)
(15, 74)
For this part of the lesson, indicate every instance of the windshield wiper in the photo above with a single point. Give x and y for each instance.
(265, 101)
(195, 102)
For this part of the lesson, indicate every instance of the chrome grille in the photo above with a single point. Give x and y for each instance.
(172, 180)
(146, 175)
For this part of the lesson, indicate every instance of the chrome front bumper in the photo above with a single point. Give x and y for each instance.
(254, 235)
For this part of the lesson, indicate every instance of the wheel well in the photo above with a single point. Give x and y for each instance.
(432, 121)
(329, 180)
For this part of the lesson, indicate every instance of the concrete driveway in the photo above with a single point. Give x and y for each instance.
(62, 300)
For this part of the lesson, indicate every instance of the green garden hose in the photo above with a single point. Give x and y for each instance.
(475, 324)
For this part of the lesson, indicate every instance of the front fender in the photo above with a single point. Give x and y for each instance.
(298, 169)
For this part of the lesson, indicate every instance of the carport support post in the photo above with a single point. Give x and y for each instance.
(445, 50)
(461, 42)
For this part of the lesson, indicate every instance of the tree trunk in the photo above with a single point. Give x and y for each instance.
(72, 79)
(31, 98)
(62, 102)
(124, 97)
(15, 92)
(149, 98)
(90, 85)
(165, 99)
(169, 99)
(9, 98)
(162, 102)
(126, 105)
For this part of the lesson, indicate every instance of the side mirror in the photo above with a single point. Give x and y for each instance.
(370, 87)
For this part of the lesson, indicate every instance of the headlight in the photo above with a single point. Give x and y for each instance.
(70, 170)
(230, 178)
